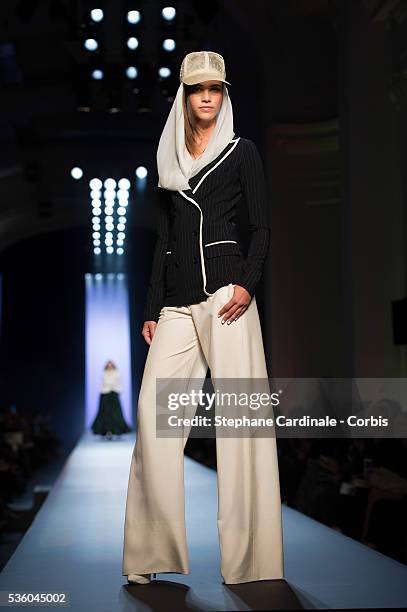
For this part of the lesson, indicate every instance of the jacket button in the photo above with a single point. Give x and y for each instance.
(177, 264)
(174, 239)
(195, 233)
(196, 260)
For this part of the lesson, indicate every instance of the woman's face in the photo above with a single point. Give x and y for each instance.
(205, 100)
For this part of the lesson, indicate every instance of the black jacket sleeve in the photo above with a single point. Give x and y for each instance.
(156, 286)
(254, 188)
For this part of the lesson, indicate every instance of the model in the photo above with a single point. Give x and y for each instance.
(109, 420)
(201, 310)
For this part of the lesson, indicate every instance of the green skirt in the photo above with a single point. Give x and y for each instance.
(110, 417)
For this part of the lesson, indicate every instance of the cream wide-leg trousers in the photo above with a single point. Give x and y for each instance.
(187, 339)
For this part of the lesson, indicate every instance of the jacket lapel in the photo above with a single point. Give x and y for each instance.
(196, 181)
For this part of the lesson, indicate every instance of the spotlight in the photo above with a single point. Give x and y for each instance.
(97, 250)
(91, 44)
(133, 17)
(120, 251)
(123, 194)
(96, 15)
(132, 43)
(131, 72)
(97, 75)
(110, 249)
(168, 13)
(164, 72)
(169, 44)
(77, 173)
(141, 172)
(109, 184)
(95, 183)
(124, 183)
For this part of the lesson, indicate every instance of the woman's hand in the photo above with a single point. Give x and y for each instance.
(148, 330)
(236, 306)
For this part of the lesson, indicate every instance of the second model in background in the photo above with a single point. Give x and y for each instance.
(109, 420)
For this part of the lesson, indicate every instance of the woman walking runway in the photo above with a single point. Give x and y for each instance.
(109, 420)
(198, 273)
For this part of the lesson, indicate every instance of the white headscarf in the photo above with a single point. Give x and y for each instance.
(173, 160)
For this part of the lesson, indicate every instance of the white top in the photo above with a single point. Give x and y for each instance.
(111, 381)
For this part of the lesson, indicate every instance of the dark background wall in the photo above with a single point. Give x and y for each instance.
(42, 342)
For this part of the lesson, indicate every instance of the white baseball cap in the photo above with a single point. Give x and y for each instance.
(201, 66)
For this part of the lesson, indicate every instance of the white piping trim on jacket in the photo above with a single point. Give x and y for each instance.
(200, 210)
(217, 164)
(200, 240)
(219, 242)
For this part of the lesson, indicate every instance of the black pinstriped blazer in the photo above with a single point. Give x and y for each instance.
(197, 249)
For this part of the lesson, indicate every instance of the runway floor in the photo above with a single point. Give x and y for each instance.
(74, 546)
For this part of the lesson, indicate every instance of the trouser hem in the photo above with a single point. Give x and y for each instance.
(252, 579)
(155, 571)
